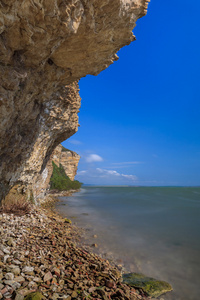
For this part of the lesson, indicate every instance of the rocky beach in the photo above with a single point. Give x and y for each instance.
(134, 136)
(45, 48)
(39, 259)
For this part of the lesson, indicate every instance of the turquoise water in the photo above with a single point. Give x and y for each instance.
(154, 230)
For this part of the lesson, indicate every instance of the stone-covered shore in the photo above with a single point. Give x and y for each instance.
(39, 259)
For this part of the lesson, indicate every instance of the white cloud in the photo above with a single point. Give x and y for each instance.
(105, 177)
(132, 177)
(93, 158)
(75, 142)
(81, 172)
(115, 173)
(108, 172)
(112, 173)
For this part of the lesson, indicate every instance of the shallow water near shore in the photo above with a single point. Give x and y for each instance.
(153, 230)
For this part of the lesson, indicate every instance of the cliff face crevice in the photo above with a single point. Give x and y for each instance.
(45, 47)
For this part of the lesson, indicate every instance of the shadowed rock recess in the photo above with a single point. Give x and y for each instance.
(46, 46)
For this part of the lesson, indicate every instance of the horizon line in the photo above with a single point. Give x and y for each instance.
(97, 185)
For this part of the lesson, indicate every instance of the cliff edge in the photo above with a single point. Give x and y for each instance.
(45, 47)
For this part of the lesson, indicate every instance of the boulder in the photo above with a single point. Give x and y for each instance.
(152, 287)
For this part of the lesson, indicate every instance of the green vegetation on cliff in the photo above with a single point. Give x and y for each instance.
(60, 181)
(65, 149)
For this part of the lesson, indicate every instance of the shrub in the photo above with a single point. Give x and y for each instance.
(60, 181)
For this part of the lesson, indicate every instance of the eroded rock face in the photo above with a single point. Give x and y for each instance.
(67, 158)
(32, 132)
(45, 47)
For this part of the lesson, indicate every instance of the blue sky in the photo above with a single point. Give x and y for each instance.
(140, 118)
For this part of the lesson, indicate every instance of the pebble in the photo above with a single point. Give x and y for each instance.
(110, 284)
(9, 276)
(11, 242)
(5, 258)
(38, 252)
(48, 276)
(16, 271)
(20, 279)
(19, 297)
(74, 294)
(6, 251)
(27, 270)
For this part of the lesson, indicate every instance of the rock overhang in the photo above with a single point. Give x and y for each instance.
(45, 47)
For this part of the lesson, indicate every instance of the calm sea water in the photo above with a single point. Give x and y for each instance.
(154, 230)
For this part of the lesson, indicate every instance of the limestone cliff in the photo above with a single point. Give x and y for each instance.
(69, 160)
(45, 47)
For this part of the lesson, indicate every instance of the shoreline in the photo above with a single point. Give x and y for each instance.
(38, 255)
(91, 242)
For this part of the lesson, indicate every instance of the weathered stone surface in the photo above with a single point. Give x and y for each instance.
(24, 159)
(69, 160)
(45, 47)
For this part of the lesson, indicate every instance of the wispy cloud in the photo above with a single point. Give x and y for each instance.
(75, 142)
(128, 163)
(132, 177)
(81, 172)
(93, 158)
(107, 174)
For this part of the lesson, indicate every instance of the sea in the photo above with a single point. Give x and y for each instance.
(150, 230)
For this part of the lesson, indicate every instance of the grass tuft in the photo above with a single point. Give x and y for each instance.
(15, 206)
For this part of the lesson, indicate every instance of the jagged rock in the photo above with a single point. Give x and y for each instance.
(45, 47)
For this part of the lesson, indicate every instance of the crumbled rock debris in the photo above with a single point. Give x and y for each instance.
(39, 256)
